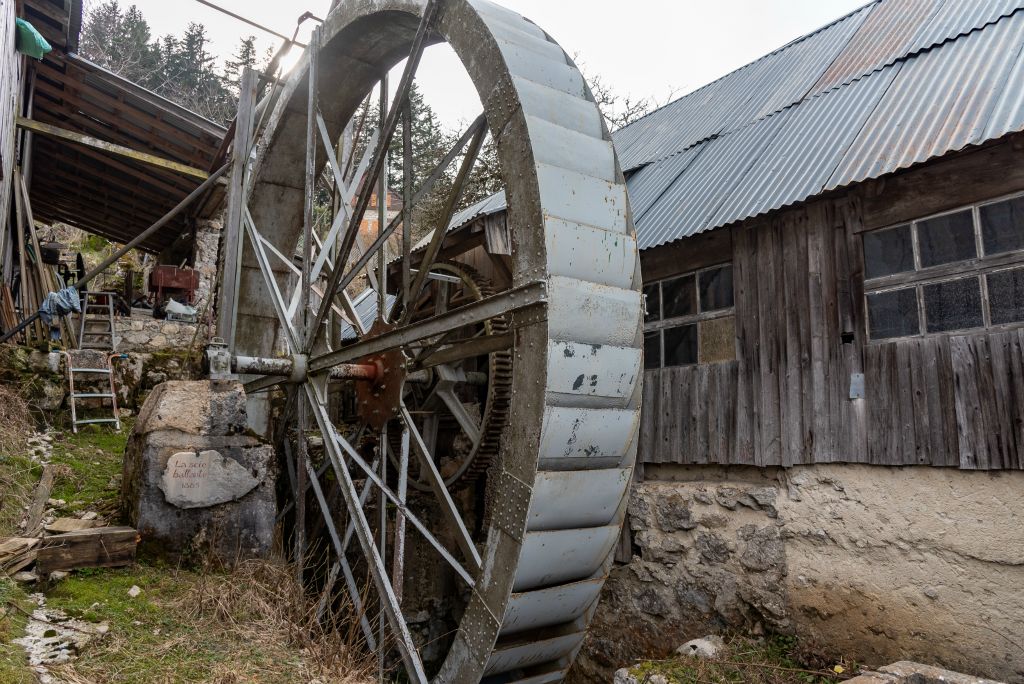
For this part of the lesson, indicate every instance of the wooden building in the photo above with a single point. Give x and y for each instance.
(833, 248)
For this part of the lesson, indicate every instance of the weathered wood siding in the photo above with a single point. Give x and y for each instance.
(948, 400)
(10, 89)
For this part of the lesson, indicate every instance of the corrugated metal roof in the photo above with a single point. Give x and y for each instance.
(964, 88)
(895, 83)
(365, 305)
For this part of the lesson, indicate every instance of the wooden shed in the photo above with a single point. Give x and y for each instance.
(833, 248)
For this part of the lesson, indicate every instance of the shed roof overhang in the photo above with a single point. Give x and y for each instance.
(111, 195)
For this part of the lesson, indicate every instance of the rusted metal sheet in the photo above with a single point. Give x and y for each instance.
(909, 80)
(940, 101)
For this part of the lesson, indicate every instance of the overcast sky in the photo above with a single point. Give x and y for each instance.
(639, 47)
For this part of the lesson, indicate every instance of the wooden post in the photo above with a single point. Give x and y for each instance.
(227, 305)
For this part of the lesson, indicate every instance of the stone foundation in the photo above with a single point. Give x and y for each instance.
(876, 564)
(195, 481)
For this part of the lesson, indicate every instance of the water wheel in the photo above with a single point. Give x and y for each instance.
(498, 428)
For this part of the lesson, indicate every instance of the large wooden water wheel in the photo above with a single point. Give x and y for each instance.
(498, 427)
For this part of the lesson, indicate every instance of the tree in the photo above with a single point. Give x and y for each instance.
(180, 68)
(245, 56)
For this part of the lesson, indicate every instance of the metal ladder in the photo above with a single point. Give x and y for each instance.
(103, 336)
(73, 396)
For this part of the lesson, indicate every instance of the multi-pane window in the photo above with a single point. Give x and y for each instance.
(962, 270)
(689, 319)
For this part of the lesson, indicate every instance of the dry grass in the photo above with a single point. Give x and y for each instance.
(772, 660)
(17, 472)
(250, 625)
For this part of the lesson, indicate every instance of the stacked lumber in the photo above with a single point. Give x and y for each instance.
(64, 543)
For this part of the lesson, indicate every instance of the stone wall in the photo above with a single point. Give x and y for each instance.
(147, 334)
(876, 564)
(204, 255)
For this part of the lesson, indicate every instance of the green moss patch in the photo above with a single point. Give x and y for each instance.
(89, 468)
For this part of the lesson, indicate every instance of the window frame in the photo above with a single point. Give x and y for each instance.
(661, 324)
(978, 267)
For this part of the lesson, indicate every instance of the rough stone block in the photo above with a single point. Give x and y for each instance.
(194, 479)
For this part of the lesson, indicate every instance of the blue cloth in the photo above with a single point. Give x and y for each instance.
(59, 304)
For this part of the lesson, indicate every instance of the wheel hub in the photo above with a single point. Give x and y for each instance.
(379, 400)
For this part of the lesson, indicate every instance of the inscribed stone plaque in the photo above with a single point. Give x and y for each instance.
(200, 480)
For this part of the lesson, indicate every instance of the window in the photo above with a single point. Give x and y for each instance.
(947, 273)
(689, 319)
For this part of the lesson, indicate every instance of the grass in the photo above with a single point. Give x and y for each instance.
(249, 625)
(13, 667)
(243, 626)
(18, 474)
(89, 466)
(772, 660)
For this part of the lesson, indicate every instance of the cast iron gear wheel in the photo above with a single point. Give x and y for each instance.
(471, 465)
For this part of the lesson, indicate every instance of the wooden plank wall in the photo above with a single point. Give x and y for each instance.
(954, 401)
(10, 89)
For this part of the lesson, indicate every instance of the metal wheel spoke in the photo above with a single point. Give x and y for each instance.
(268, 276)
(530, 296)
(398, 561)
(339, 548)
(459, 351)
(428, 185)
(446, 391)
(374, 562)
(448, 508)
(263, 383)
(380, 154)
(434, 248)
(339, 445)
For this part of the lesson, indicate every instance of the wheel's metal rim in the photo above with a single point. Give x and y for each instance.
(557, 493)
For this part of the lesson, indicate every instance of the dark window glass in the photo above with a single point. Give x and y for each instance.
(1006, 296)
(888, 251)
(679, 297)
(946, 239)
(953, 305)
(681, 345)
(652, 349)
(893, 314)
(716, 288)
(1002, 226)
(653, 295)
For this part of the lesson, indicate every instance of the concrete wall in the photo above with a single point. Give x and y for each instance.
(877, 564)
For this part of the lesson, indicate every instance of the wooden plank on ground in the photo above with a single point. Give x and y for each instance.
(34, 517)
(103, 547)
(13, 546)
(62, 525)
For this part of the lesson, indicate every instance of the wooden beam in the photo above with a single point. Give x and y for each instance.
(104, 547)
(89, 141)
